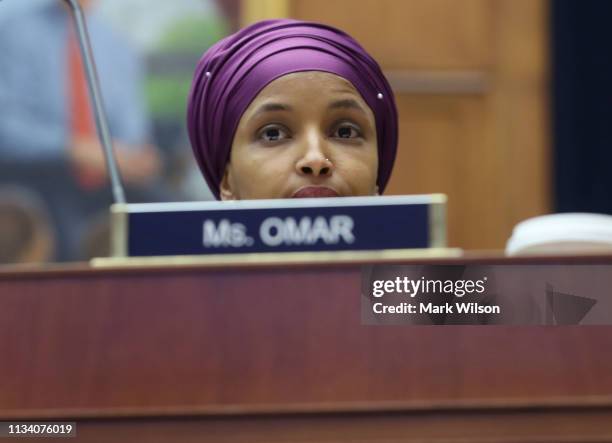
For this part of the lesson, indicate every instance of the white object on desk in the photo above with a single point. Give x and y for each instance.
(570, 233)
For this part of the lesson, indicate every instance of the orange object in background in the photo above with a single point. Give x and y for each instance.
(81, 119)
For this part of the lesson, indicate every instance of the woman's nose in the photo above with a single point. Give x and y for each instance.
(314, 161)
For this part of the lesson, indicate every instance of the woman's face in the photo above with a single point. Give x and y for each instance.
(306, 134)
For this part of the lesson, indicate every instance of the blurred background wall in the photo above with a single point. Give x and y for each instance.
(504, 104)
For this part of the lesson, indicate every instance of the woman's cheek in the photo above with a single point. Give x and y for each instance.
(265, 177)
(361, 176)
(357, 163)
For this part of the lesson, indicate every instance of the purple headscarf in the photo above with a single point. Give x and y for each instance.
(233, 71)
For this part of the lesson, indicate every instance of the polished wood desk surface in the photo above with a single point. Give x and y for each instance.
(247, 341)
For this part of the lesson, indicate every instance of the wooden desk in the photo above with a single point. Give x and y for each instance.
(273, 354)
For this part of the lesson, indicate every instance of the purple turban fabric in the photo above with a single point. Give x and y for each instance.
(233, 71)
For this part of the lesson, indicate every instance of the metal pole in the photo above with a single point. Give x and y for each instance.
(93, 84)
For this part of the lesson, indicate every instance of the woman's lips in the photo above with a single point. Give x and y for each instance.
(315, 192)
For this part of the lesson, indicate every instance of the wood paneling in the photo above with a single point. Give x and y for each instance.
(278, 354)
(438, 136)
(563, 425)
(518, 116)
(263, 340)
(411, 34)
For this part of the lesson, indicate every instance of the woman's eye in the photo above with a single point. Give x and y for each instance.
(273, 134)
(346, 131)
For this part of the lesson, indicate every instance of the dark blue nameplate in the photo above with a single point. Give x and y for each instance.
(233, 227)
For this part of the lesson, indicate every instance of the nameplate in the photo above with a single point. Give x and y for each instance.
(291, 225)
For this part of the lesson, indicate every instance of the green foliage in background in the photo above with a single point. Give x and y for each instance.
(167, 96)
(189, 38)
(194, 34)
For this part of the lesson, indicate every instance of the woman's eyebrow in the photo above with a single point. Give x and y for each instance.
(346, 103)
(271, 107)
